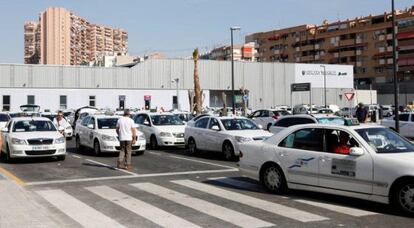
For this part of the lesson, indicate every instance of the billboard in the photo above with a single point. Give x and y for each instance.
(337, 76)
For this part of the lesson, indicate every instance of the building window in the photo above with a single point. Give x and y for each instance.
(30, 99)
(92, 101)
(6, 102)
(63, 102)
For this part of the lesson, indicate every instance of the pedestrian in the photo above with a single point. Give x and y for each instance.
(127, 137)
(361, 113)
(60, 121)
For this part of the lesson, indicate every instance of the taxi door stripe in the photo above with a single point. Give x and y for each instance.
(271, 207)
(214, 210)
(339, 209)
(141, 208)
(77, 210)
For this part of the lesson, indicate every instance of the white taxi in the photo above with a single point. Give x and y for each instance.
(99, 133)
(161, 129)
(32, 137)
(369, 162)
(222, 134)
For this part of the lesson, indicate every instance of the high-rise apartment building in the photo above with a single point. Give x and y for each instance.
(365, 42)
(64, 38)
(244, 52)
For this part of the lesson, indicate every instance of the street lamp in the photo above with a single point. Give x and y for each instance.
(324, 83)
(394, 70)
(176, 81)
(232, 71)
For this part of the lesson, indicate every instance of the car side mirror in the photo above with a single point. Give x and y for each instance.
(90, 126)
(356, 151)
(260, 126)
(215, 128)
(5, 129)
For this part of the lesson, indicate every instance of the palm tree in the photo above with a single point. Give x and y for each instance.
(197, 88)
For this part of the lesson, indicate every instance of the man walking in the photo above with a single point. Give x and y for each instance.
(361, 113)
(127, 137)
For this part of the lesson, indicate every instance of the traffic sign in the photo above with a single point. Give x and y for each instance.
(349, 95)
(299, 87)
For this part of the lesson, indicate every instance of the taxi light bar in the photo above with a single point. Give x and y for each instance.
(351, 122)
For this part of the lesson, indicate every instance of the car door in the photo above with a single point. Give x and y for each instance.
(89, 132)
(214, 139)
(343, 171)
(299, 153)
(199, 132)
(81, 130)
(144, 125)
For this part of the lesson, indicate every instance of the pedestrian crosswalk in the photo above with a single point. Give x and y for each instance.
(192, 196)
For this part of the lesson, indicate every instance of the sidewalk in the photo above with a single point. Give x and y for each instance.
(19, 207)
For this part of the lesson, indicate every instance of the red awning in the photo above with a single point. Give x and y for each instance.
(405, 35)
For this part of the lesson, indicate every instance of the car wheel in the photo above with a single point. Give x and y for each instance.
(228, 151)
(78, 144)
(268, 127)
(96, 148)
(273, 179)
(153, 142)
(192, 147)
(403, 197)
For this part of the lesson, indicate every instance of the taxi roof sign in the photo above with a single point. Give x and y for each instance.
(351, 122)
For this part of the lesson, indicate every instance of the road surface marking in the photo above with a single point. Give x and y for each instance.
(145, 210)
(109, 166)
(77, 210)
(339, 209)
(76, 156)
(155, 153)
(203, 162)
(274, 208)
(203, 206)
(236, 183)
(130, 176)
(12, 176)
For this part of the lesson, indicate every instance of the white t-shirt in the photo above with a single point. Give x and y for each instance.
(61, 123)
(125, 124)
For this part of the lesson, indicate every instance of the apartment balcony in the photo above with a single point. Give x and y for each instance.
(347, 53)
(348, 42)
(307, 47)
(307, 58)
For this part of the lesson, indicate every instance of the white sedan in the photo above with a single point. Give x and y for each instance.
(161, 129)
(222, 134)
(369, 162)
(32, 137)
(99, 133)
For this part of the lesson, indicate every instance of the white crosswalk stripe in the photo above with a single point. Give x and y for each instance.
(77, 210)
(339, 209)
(274, 208)
(140, 208)
(203, 206)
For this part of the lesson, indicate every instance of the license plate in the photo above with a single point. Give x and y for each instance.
(180, 140)
(40, 147)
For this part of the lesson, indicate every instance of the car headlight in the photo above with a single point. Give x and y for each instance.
(17, 141)
(141, 137)
(243, 139)
(60, 140)
(108, 138)
(165, 134)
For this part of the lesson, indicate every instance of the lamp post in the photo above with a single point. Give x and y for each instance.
(324, 83)
(394, 70)
(232, 71)
(176, 81)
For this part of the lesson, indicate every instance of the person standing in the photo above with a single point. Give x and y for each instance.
(361, 113)
(127, 137)
(60, 121)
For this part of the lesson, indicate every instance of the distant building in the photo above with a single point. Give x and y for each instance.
(241, 52)
(63, 38)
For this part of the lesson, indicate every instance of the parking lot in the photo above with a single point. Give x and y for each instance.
(167, 186)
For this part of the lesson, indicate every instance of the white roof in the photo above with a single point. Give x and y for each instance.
(30, 118)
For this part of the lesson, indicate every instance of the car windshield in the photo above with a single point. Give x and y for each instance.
(183, 116)
(384, 140)
(160, 120)
(332, 120)
(107, 123)
(239, 124)
(33, 125)
(4, 118)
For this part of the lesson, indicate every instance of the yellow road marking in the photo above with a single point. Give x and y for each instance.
(12, 177)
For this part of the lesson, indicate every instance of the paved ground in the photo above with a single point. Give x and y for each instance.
(168, 188)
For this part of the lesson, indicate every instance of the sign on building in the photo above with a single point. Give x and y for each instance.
(337, 76)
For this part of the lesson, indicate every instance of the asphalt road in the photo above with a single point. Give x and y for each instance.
(171, 189)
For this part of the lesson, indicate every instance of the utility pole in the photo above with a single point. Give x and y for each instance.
(233, 98)
(394, 70)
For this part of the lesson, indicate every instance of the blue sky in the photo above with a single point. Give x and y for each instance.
(176, 27)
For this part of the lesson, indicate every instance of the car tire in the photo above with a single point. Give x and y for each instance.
(273, 179)
(402, 197)
(153, 142)
(96, 148)
(192, 147)
(228, 151)
(78, 144)
(61, 157)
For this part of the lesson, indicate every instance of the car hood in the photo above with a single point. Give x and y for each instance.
(250, 133)
(36, 134)
(171, 128)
